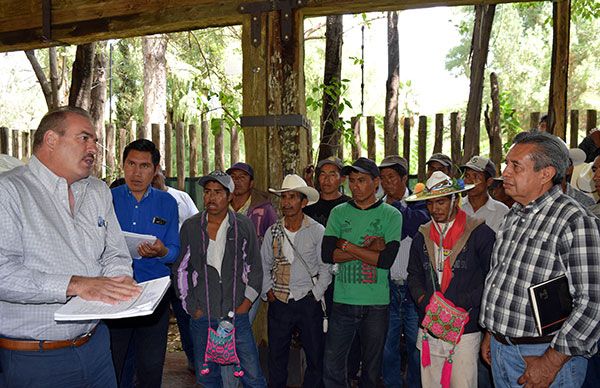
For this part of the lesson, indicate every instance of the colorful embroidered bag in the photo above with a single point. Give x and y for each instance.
(220, 346)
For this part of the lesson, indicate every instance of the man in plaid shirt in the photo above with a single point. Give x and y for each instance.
(544, 235)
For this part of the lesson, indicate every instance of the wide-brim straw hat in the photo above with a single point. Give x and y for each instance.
(438, 185)
(293, 182)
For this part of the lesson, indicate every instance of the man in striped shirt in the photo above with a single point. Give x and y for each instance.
(545, 234)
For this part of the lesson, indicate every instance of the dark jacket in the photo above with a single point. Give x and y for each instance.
(470, 267)
(261, 212)
(189, 274)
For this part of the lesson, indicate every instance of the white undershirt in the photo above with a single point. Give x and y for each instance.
(216, 248)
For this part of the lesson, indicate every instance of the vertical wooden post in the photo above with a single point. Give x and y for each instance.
(439, 133)
(534, 119)
(4, 140)
(371, 143)
(356, 144)
(219, 153)
(168, 150)
(574, 128)
(422, 147)
(16, 144)
(156, 135)
(234, 146)
(180, 149)
(273, 79)
(25, 144)
(110, 151)
(193, 150)
(591, 117)
(122, 143)
(137, 131)
(559, 69)
(31, 137)
(455, 149)
(205, 145)
(406, 140)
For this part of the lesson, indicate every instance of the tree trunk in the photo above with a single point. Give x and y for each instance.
(82, 76)
(98, 100)
(494, 128)
(559, 69)
(390, 122)
(455, 146)
(484, 17)
(54, 84)
(41, 77)
(154, 48)
(330, 134)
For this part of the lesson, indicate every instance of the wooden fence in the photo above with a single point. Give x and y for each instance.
(187, 142)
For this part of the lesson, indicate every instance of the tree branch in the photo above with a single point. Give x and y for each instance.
(41, 76)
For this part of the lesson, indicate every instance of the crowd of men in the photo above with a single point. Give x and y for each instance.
(359, 281)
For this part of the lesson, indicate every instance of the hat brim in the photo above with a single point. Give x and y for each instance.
(441, 193)
(205, 179)
(389, 165)
(311, 193)
(346, 170)
(444, 163)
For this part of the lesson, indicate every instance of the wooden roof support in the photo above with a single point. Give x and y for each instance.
(85, 21)
(557, 109)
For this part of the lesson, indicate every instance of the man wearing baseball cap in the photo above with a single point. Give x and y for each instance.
(249, 201)
(439, 162)
(481, 172)
(294, 282)
(218, 275)
(362, 237)
(403, 313)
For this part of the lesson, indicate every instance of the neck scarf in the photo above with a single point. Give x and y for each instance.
(448, 241)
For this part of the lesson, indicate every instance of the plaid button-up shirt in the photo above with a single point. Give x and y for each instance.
(552, 235)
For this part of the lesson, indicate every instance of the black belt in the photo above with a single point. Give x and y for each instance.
(523, 340)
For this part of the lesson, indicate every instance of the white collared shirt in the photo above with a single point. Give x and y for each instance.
(216, 247)
(492, 212)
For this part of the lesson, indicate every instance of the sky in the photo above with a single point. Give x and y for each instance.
(425, 36)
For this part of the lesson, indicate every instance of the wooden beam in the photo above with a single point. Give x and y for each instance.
(559, 70)
(85, 21)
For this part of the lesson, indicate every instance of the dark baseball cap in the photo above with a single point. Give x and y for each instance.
(364, 165)
(330, 160)
(440, 158)
(245, 167)
(481, 164)
(395, 161)
(219, 177)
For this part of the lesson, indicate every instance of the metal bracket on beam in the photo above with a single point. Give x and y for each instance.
(257, 8)
(293, 120)
(47, 20)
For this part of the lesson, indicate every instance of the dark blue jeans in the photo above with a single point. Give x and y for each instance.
(245, 347)
(89, 365)
(403, 319)
(371, 323)
(183, 323)
(592, 376)
(148, 337)
(305, 314)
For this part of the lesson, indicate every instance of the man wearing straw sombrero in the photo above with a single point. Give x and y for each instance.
(294, 282)
(449, 258)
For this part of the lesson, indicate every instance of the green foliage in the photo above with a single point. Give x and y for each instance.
(127, 82)
(509, 123)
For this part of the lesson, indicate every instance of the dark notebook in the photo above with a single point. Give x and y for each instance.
(551, 303)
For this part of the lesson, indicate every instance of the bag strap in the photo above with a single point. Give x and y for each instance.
(203, 236)
(322, 301)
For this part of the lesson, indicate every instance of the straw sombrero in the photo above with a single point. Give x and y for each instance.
(438, 185)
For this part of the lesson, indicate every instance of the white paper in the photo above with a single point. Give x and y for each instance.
(134, 240)
(78, 309)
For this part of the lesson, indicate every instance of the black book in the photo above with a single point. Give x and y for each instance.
(551, 303)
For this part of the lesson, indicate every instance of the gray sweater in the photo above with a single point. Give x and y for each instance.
(189, 269)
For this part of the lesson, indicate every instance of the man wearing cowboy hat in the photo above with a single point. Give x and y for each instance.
(362, 237)
(294, 281)
(450, 254)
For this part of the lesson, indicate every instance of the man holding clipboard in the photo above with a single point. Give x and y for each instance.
(545, 234)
